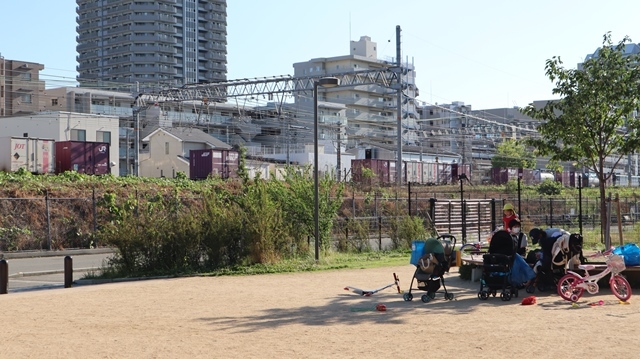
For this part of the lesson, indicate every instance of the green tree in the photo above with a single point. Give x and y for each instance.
(592, 121)
(512, 154)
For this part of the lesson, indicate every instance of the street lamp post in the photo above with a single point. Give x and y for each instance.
(324, 82)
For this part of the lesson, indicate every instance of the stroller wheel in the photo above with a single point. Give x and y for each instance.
(431, 295)
(449, 296)
(505, 296)
(530, 289)
(407, 297)
(425, 298)
(484, 295)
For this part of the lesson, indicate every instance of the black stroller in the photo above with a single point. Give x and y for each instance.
(496, 268)
(432, 259)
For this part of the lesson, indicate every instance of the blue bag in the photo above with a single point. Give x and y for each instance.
(417, 251)
(630, 252)
(521, 272)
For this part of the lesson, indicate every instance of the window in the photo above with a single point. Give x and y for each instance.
(78, 135)
(54, 102)
(166, 148)
(25, 76)
(103, 136)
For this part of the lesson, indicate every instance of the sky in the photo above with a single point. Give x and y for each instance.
(487, 54)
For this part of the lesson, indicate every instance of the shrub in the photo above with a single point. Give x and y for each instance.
(549, 188)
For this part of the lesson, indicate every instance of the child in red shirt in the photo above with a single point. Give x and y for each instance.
(508, 213)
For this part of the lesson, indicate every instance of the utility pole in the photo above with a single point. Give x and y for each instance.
(399, 108)
(338, 162)
(137, 137)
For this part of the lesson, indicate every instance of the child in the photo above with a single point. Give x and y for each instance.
(508, 213)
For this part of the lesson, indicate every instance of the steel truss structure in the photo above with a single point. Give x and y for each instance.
(219, 91)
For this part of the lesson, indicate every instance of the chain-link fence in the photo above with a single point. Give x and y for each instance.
(365, 219)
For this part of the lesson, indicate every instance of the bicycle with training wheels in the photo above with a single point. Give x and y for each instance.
(572, 285)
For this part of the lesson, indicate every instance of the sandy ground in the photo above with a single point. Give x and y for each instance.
(307, 315)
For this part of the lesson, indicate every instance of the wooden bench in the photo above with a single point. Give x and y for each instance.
(476, 273)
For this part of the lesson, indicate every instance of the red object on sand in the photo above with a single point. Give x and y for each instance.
(529, 300)
(381, 308)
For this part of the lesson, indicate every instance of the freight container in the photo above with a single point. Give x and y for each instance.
(413, 171)
(211, 162)
(83, 157)
(33, 154)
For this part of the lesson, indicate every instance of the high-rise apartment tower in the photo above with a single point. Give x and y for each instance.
(153, 43)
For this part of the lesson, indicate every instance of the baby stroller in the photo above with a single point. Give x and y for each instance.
(432, 259)
(566, 248)
(496, 268)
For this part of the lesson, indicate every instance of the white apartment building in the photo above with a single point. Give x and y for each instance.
(370, 109)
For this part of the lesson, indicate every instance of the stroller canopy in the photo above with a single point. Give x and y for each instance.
(433, 245)
(502, 243)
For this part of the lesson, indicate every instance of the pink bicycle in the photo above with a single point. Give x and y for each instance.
(572, 285)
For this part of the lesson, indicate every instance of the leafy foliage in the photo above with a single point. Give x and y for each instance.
(594, 118)
(512, 154)
(549, 188)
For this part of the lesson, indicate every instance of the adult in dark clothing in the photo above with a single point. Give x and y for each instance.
(546, 238)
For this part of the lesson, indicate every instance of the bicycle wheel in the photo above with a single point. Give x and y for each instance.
(567, 289)
(620, 287)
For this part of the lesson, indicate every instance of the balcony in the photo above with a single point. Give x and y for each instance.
(332, 120)
(112, 110)
(215, 56)
(215, 36)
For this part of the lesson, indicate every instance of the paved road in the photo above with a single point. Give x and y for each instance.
(48, 272)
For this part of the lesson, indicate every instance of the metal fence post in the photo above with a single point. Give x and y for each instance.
(4, 276)
(432, 209)
(464, 222)
(68, 271)
(409, 196)
(95, 212)
(346, 230)
(46, 200)
(380, 233)
(493, 214)
(580, 203)
(550, 213)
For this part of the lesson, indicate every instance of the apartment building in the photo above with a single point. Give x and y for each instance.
(371, 110)
(150, 43)
(20, 87)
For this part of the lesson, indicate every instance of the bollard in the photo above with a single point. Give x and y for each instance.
(68, 271)
(4, 276)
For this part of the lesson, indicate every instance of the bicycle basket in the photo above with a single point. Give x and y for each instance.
(616, 262)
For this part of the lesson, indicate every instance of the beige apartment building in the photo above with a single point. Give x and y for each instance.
(20, 87)
(371, 110)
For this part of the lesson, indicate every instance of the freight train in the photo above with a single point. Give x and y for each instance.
(383, 172)
(40, 156)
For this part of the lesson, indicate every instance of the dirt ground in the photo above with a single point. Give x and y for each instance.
(308, 315)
